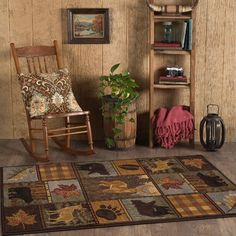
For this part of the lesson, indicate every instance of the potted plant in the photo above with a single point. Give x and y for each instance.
(118, 93)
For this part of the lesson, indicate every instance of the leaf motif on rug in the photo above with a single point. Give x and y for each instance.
(161, 165)
(198, 163)
(168, 183)
(21, 218)
(66, 191)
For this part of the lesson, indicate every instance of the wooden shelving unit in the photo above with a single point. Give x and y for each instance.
(155, 53)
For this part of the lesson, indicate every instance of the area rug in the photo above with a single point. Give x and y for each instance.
(72, 196)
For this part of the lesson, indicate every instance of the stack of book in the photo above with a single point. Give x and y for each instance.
(178, 80)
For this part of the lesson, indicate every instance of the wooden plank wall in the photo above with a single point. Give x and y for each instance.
(31, 22)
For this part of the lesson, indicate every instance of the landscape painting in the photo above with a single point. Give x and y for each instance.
(88, 26)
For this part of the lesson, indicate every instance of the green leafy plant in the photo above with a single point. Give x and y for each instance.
(120, 90)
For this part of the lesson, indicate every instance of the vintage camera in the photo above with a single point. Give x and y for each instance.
(174, 71)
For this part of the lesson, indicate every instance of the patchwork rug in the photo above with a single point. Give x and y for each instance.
(69, 196)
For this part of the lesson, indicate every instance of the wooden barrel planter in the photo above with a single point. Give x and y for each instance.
(126, 139)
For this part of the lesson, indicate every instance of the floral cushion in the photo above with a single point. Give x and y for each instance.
(45, 94)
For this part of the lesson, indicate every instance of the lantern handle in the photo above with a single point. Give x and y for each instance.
(213, 105)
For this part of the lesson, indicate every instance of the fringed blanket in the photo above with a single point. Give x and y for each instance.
(172, 126)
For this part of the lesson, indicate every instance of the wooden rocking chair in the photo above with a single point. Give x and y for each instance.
(36, 58)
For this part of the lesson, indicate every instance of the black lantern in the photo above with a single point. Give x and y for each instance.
(214, 130)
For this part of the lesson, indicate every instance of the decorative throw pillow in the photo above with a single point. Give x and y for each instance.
(45, 94)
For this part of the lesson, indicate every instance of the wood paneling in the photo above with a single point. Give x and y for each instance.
(200, 60)
(214, 52)
(21, 33)
(27, 22)
(137, 40)
(228, 96)
(6, 116)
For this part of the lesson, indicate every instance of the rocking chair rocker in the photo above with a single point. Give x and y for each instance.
(36, 58)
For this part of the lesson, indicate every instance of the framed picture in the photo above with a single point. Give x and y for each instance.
(88, 26)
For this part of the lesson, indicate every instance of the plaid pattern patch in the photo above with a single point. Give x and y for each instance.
(193, 205)
(56, 171)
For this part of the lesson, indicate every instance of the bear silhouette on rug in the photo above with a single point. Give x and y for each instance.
(23, 193)
(94, 168)
(150, 209)
(212, 181)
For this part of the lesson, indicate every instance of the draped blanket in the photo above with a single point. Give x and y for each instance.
(172, 126)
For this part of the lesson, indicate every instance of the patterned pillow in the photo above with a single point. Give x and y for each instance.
(45, 94)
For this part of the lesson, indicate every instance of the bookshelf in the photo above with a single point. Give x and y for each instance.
(159, 58)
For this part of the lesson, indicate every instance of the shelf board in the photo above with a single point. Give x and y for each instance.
(171, 52)
(171, 17)
(171, 86)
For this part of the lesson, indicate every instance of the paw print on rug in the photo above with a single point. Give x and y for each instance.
(108, 212)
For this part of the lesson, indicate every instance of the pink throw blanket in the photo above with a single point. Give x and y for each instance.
(172, 126)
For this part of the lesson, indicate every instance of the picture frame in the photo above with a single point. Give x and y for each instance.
(88, 26)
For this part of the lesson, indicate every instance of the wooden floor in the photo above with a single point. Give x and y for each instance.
(12, 153)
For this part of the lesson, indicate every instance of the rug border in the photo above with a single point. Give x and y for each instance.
(149, 222)
(129, 223)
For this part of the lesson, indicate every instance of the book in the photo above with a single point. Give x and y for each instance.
(173, 79)
(173, 82)
(167, 48)
(184, 27)
(163, 44)
(188, 36)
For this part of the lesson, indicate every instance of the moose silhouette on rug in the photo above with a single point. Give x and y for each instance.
(64, 215)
